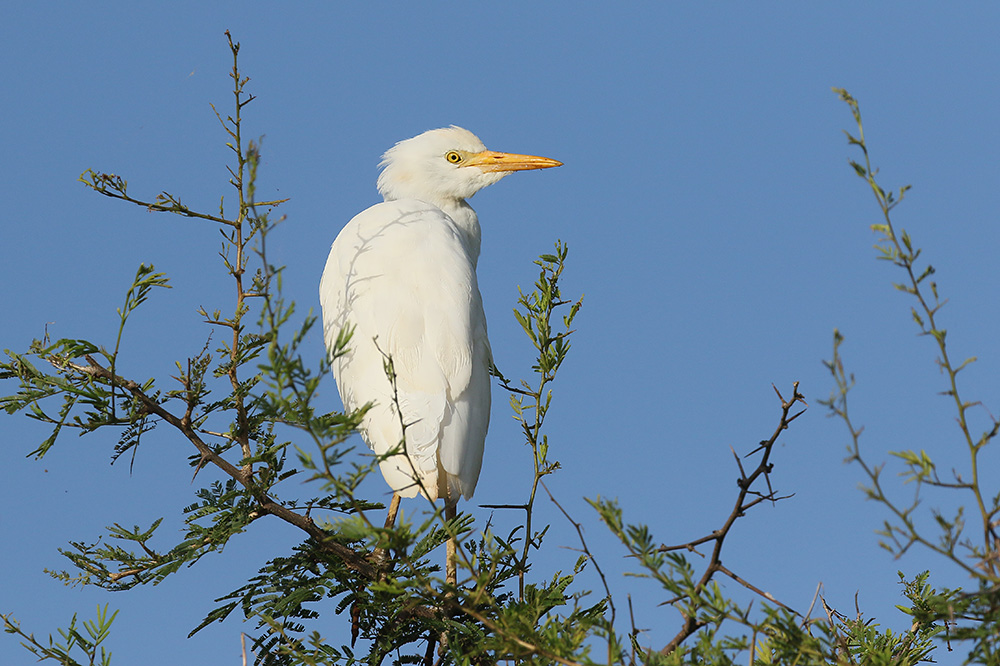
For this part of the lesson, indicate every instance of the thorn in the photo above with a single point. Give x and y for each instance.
(743, 474)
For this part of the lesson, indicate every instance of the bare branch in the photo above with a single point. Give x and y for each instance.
(745, 483)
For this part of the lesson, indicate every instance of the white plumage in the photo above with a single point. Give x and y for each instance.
(403, 275)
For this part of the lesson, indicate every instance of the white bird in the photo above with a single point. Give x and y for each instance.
(402, 274)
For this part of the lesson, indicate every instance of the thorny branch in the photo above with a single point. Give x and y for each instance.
(742, 504)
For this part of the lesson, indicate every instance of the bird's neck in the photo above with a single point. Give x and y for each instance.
(467, 221)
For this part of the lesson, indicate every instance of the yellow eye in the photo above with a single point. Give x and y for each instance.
(453, 157)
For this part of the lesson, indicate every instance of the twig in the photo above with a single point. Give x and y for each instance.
(635, 632)
(492, 626)
(805, 619)
(590, 556)
(754, 588)
(745, 483)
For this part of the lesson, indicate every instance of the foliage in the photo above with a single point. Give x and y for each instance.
(248, 409)
(972, 543)
(89, 642)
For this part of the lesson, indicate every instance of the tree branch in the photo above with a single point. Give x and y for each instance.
(745, 483)
(266, 504)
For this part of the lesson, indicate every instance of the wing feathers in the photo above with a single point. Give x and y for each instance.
(399, 273)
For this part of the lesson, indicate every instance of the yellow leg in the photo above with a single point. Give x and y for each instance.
(390, 519)
(379, 556)
(451, 567)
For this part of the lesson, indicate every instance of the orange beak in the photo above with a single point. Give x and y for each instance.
(490, 160)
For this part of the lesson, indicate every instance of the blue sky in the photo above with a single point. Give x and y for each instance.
(713, 224)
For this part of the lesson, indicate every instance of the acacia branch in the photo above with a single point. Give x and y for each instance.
(534, 649)
(266, 504)
(753, 588)
(745, 483)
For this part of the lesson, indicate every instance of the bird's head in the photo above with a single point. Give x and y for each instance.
(447, 164)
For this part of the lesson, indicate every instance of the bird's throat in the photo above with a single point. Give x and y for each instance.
(467, 221)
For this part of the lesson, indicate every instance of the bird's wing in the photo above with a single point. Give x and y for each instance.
(400, 275)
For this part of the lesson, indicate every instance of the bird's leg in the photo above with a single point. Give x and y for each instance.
(390, 519)
(451, 566)
(379, 555)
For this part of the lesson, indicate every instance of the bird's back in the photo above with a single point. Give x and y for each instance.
(400, 274)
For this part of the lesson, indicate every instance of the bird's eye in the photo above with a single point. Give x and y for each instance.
(453, 157)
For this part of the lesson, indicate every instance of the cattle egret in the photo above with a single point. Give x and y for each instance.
(402, 276)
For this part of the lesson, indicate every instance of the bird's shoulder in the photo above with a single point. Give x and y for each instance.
(401, 215)
(401, 259)
(404, 234)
